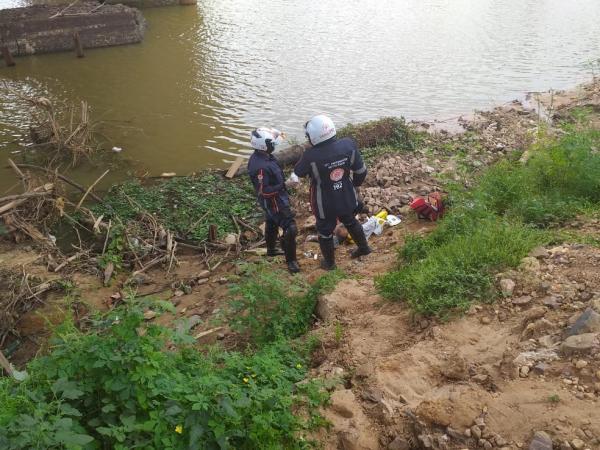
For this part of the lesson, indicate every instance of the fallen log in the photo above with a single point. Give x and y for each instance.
(285, 157)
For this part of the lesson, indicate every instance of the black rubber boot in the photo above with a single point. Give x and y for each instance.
(358, 236)
(271, 240)
(288, 242)
(328, 252)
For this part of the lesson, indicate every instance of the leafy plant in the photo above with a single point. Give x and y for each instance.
(269, 305)
(119, 387)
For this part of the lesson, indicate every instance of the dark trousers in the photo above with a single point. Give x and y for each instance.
(283, 219)
(326, 226)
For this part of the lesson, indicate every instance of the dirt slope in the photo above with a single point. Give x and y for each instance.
(414, 383)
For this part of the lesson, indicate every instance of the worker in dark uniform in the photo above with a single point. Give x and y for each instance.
(329, 163)
(269, 184)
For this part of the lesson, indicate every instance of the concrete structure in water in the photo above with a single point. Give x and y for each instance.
(45, 29)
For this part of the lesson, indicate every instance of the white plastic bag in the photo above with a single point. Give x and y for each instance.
(373, 225)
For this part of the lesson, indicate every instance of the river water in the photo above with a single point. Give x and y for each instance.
(205, 75)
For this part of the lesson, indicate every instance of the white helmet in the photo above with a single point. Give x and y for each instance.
(319, 129)
(265, 139)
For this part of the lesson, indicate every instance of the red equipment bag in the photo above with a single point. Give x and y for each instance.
(431, 208)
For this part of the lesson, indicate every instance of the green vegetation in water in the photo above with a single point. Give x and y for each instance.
(495, 225)
(268, 307)
(184, 205)
(123, 386)
(386, 135)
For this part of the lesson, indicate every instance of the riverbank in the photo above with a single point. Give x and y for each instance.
(460, 373)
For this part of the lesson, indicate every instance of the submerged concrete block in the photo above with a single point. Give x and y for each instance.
(43, 29)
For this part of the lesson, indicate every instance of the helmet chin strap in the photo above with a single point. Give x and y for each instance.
(270, 146)
(308, 137)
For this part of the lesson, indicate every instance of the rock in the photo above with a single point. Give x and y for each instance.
(343, 402)
(540, 441)
(565, 446)
(231, 239)
(540, 368)
(581, 343)
(399, 444)
(500, 441)
(587, 322)
(580, 364)
(538, 328)
(577, 444)
(476, 432)
(551, 302)
(595, 303)
(530, 264)
(149, 314)
(535, 313)
(485, 320)
(480, 378)
(521, 301)
(507, 286)
(188, 323)
(524, 371)
(202, 274)
(327, 306)
(140, 279)
(529, 358)
(480, 422)
(425, 440)
(547, 341)
(539, 252)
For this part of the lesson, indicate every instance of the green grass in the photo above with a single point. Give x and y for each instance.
(510, 211)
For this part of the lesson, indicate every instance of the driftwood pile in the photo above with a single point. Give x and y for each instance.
(21, 292)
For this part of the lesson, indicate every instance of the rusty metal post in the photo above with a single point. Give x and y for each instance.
(78, 46)
(8, 58)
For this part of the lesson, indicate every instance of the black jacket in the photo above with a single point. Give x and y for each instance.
(268, 180)
(329, 165)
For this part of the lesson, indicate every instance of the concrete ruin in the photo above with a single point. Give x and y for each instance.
(45, 29)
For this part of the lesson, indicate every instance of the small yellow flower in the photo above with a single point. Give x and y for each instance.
(179, 429)
(298, 366)
(246, 380)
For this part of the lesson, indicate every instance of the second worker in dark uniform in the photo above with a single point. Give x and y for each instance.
(269, 184)
(335, 168)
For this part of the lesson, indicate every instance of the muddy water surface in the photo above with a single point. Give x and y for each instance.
(205, 75)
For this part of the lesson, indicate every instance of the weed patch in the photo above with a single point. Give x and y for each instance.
(496, 224)
(385, 132)
(268, 307)
(119, 387)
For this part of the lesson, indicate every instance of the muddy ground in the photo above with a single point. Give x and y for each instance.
(506, 375)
